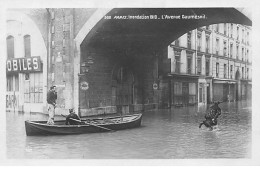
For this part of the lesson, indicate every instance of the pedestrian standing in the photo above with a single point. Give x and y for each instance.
(51, 100)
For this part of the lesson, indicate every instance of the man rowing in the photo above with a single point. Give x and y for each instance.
(72, 118)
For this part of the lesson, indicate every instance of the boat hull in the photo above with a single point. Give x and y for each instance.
(59, 128)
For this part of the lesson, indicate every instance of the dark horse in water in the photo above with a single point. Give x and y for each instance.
(211, 116)
(209, 123)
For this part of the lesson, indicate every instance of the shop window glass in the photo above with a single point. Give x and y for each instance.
(33, 88)
(192, 93)
(16, 83)
(9, 83)
(192, 88)
(178, 88)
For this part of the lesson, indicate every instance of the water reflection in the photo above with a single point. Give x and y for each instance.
(164, 134)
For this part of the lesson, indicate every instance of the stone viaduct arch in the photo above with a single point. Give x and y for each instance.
(144, 35)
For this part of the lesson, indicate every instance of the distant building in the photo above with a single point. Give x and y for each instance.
(211, 63)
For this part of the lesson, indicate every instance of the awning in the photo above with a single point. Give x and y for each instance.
(224, 81)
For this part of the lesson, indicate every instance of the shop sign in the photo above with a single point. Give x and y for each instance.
(84, 85)
(24, 65)
(155, 86)
(12, 100)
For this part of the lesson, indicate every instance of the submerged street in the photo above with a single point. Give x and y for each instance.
(164, 134)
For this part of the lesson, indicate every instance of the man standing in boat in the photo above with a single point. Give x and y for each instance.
(51, 100)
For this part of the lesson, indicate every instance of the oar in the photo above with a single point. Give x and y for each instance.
(89, 124)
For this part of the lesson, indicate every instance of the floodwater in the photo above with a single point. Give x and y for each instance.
(164, 134)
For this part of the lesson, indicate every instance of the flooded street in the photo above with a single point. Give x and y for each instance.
(164, 134)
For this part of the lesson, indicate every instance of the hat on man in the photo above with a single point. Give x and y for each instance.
(52, 87)
(71, 110)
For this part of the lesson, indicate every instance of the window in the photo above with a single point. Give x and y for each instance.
(16, 79)
(177, 61)
(224, 48)
(217, 69)
(207, 67)
(199, 64)
(217, 27)
(225, 70)
(243, 34)
(178, 88)
(231, 50)
(12, 83)
(217, 46)
(231, 30)
(27, 45)
(10, 47)
(242, 72)
(231, 71)
(189, 65)
(189, 39)
(225, 29)
(199, 42)
(242, 54)
(207, 44)
(9, 83)
(237, 33)
(192, 92)
(177, 42)
(247, 73)
(34, 88)
(237, 52)
(200, 92)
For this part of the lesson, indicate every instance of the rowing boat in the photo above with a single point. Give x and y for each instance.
(85, 126)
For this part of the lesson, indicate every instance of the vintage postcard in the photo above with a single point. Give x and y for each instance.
(155, 83)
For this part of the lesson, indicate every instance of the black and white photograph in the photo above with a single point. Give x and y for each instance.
(114, 81)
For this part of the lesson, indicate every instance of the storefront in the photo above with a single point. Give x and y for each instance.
(246, 89)
(224, 90)
(24, 84)
(184, 90)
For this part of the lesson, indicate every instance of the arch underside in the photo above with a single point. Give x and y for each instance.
(137, 42)
(150, 33)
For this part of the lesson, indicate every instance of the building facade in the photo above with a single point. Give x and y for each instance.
(211, 63)
(95, 74)
(26, 64)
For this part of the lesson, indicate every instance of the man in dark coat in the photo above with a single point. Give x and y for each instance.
(211, 116)
(51, 100)
(72, 118)
(214, 112)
